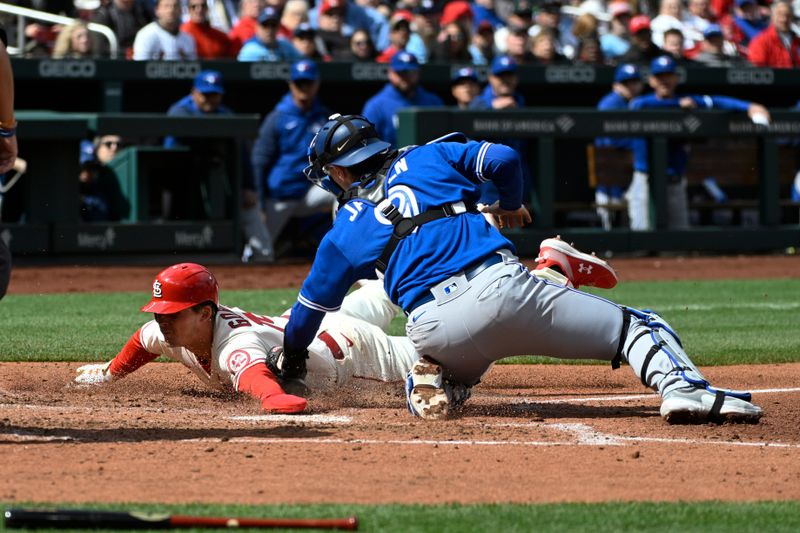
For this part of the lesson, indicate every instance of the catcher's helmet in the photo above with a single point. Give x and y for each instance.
(181, 286)
(344, 141)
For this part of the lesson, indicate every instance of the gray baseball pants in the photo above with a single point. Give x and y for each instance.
(505, 311)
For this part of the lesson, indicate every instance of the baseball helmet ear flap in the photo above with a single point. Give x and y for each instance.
(344, 141)
(182, 286)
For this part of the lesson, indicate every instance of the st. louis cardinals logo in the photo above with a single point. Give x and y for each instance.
(403, 198)
(157, 289)
(238, 360)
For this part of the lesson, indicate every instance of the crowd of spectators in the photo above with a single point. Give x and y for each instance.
(537, 32)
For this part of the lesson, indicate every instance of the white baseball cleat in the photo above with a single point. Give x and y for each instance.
(425, 394)
(695, 405)
(578, 267)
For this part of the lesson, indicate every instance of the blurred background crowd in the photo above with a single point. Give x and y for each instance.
(539, 32)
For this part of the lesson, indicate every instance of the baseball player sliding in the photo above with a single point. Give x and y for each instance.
(227, 347)
(411, 214)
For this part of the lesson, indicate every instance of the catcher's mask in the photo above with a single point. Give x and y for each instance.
(182, 286)
(343, 141)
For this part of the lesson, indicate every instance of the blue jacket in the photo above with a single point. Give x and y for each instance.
(611, 102)
(423, 177)
(280, 151)
(677, 150)
(255, 50)
(382, 109)
(185, 107)
(480, 13)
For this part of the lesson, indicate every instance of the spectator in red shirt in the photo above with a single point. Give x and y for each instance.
(777, 46)
(245, 29)
(211, 43)
(746, 22)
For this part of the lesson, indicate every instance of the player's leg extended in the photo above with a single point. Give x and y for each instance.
(363, 350)
(503, 311)
(657, 357)
(370, 303)
(561, 263)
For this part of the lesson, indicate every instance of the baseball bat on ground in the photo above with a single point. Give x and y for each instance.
(86, 519)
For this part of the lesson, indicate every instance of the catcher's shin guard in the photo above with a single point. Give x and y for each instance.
(656, 354)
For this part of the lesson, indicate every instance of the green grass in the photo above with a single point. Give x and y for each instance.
(720, 322)
(756, 517)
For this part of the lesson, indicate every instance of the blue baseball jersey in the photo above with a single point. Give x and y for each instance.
(613, 101)
(280, 153)
(382, 109)
(677, 150)
(421, 178)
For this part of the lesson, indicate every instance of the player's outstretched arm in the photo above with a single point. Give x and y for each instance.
(132, 357)
(259, 382)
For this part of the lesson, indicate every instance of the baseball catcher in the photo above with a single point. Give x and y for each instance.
(411, 215)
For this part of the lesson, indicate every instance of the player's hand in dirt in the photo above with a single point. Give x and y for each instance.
(94, 374)
(283, 403)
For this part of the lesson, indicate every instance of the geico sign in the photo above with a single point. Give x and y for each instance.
(368, 71)
(67, 69)
(569, 75)
(747, 76)
(269, 71)
(171, 70)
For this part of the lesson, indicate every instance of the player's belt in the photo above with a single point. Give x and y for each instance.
(470, 273)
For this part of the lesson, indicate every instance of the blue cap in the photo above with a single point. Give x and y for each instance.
(712, 30)
(627, 72)
(304, 29)
(209, 81)
(304, 70)
(402, 61)
(270, 14)
(464, 73)
(663, 65)
(87, 152)
(740, 3)
(503, 64)
(427, 7)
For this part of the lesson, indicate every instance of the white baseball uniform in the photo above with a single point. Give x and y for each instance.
(348, 345)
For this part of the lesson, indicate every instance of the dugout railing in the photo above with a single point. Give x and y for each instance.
(48, 194)
(545, 129)
(44, 204)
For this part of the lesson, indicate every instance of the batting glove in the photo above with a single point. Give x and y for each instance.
(94, 374)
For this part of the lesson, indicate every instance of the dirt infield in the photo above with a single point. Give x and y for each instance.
(529, 434)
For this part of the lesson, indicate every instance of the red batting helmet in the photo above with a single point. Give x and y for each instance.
(180, 287)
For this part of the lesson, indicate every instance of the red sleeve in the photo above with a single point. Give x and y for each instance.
(259, 382)
(131, 357)
(757, 52)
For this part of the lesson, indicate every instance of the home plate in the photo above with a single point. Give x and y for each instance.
(300, 419)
